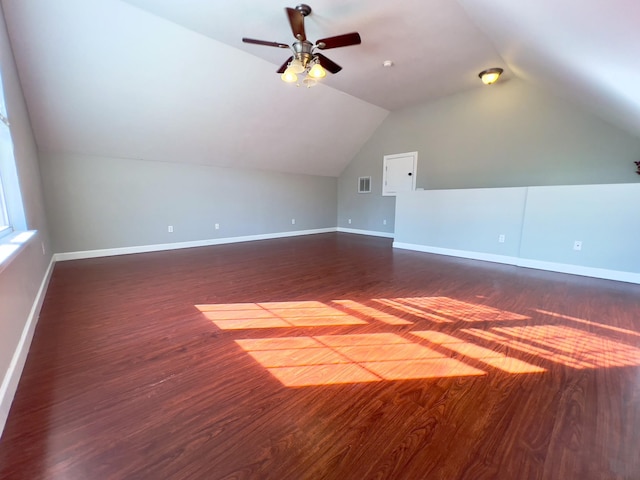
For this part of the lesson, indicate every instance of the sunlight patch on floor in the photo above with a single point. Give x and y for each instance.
(404, 308)
(560, 344)
(585, 347)
(373, 357)
(588, 322)
(242, 316)
(449, 309)
(485, 355)
(372, 312)
(334, 359)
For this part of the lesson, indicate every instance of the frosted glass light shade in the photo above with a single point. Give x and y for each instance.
(296, 66)
(490, 75)
(317, 71)
(309, 81)
(289, 76)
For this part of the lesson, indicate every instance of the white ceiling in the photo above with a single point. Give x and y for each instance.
(171, 80)
(587, 51)
(436, 49)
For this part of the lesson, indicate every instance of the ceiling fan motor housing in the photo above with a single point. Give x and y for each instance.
(303, 51)
(304, 9)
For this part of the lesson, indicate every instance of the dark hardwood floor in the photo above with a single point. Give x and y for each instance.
(330, 356)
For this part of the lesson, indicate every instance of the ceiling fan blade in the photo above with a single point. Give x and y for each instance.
(327, 64)
(264, 42)
(284, 65)
(296, 19)
(339, 41)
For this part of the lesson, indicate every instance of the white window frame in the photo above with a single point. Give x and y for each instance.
(5, 224)
(5, 227)
(13, 225)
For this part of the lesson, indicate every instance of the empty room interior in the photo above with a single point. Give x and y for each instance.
(338, 240)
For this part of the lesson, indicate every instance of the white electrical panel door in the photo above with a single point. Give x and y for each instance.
(399, 174)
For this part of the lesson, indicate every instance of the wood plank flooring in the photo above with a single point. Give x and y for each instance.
(330, 356)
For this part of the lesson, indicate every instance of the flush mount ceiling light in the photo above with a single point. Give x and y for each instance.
(305, 59)
(490, 75)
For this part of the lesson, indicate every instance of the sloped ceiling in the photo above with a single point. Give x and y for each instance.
(171, 80)
(587, 51)
(105, 78)
(435, 47)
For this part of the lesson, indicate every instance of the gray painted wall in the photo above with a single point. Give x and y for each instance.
(462, 219)
(99, 203)
(21, 279)
(604, 217)
(540, 225)
(507, 135)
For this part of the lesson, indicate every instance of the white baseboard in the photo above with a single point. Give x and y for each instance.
(365, 232)
(603, 273)
(487, 257)
(12, 377)
(108, 252)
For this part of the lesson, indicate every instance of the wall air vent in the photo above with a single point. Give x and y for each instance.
(364, 184)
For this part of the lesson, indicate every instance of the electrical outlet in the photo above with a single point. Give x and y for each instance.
(501, 238)
(217, 226)
(170, 229)
(293, 221)
(349, 221)
(577, 245)
(384, 222)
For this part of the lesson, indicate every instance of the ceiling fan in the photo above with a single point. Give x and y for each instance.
(305, 57)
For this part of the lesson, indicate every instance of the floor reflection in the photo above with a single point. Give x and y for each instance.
(413, 345)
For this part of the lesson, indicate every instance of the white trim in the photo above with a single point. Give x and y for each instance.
(109, 252)
(12, 377)
(12, 243)
(607, 274)
(487, 257)
(365, 232)
(603, 273)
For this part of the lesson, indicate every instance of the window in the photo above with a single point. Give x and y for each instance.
(4, 218)
(12, 216)
(13, 224)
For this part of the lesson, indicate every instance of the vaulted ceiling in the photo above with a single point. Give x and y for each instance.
(170, 80)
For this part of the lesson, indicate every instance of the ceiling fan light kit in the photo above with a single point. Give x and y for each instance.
(289, 76)
(305, 58)
(296, 66)
(317, 71)
(490, 75)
